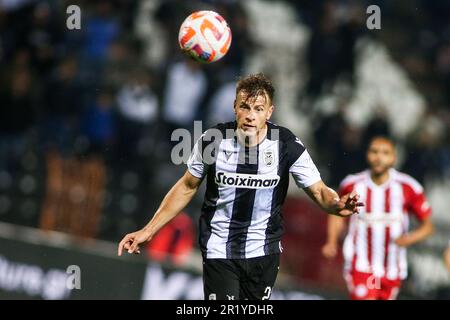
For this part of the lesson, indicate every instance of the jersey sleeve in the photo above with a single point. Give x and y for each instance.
(195, 164)
(345, 187)
(418, 205)
(302, 167)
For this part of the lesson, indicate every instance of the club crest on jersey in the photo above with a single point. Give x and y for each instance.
(268, 157)
(228, 154)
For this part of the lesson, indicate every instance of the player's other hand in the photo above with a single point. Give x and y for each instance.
(404, 241)
(349, 204)
(132, 240)
(329, 250)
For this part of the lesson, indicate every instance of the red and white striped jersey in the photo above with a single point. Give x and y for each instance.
(369, 245)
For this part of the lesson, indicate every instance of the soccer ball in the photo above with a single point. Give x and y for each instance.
(205, 36)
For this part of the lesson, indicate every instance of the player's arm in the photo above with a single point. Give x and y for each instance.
(330, 201)
(174, 201)
(447, 258)
(307, 176)
(335, 226)
(423, 231)
(418, 206)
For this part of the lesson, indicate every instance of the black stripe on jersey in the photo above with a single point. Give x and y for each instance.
(288, 151)
(212, 190)
(294, 150)
(208, 208)
(243, 206)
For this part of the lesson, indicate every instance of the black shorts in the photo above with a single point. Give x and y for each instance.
(239, 279)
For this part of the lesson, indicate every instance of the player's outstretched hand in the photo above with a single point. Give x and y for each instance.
(349, 204)
(131, 242)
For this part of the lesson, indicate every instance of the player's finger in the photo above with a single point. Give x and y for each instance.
(122, 244)
(355, 205)
(135, 250)
(134, 246)
(346, 213)
(344, 198)
(349, 204)
(354, 199)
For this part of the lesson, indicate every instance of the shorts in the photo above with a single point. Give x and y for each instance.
(365, 286)
(239, 279)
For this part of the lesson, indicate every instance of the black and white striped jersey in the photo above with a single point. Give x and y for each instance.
(246, 187)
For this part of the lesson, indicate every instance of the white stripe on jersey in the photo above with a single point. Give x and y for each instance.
(378, 229)
(262, 208)
(349, 247)
(396, 205)
(362, 262)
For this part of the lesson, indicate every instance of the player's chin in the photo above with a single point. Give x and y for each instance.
(379, 169)
(249, 132)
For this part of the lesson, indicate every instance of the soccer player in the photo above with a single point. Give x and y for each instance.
(375, 246)
(247, 176)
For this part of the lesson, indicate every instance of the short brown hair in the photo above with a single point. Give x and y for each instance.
(256, 84)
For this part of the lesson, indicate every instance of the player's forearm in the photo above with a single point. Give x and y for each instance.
(425, 230)
(334, 228)
(175, 201)
(447, 258)
(328, 199)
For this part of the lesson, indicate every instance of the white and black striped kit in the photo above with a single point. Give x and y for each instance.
(246, 187)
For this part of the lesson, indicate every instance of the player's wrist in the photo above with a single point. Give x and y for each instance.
(148, 233)
(331, 245)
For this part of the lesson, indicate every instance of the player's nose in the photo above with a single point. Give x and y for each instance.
(250, 116)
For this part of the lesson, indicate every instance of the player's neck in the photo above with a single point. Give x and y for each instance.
(381, 178)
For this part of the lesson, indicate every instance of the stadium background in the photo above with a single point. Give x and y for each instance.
(86, 117)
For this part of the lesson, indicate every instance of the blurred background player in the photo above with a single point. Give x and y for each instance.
(375, 245)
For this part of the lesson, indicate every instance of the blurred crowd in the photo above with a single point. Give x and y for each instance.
(86, 115)
(416, 34)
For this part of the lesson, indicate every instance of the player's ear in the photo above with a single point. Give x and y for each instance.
(234, 106)
(270, 111)
(394, 158)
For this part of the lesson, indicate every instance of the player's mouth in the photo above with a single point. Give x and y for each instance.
(379, 167)
(248, 126)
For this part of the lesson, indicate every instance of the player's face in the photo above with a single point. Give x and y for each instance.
(380, 156)
(252, 112)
